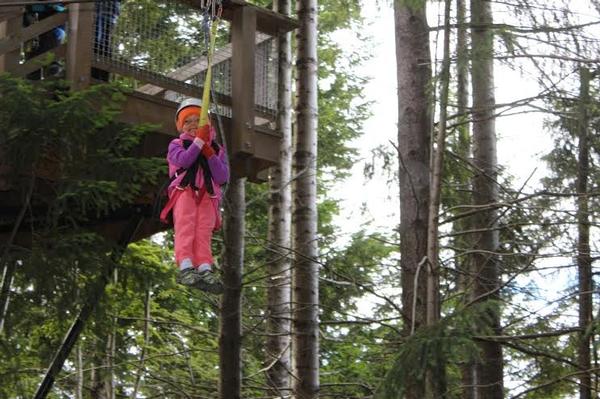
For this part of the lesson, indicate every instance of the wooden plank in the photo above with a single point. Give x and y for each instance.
(268, 21)
(142, 108)
(79, 52)
(6, 14)
(167, 84)
(157, 80)
(198, 66)
(14, 40)
(9, 28)
(243, 32)
(39, 61)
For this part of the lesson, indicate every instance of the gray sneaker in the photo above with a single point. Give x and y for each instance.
(209, 282)
(188, 277)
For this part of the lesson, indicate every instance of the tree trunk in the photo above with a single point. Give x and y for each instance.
(7, 278)
(436, 384)
(279, 236)
(584, 260)
(140, 371)
(80, 381)
(413, 63)
(305, 344)
(111, 349)
(485, 192)
(230, 339)
(463, 149)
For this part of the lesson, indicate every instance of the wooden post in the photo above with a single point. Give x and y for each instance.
(11, 25)
(243, 35)
(80, 43)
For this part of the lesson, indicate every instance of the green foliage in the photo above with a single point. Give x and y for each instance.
(73, 141)
(352, 349)
(83, 167)
(95, 172)
(349, 272)
(450, 341)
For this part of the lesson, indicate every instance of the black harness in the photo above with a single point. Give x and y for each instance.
(190, 176)
(189, 180)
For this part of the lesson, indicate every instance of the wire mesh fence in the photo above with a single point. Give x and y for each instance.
(166, 43)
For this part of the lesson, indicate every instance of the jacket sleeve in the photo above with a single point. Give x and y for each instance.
(219, 167)
(180, 157)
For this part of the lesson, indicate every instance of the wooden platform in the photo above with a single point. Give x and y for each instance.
(249, 135)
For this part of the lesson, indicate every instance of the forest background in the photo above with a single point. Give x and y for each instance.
(457, 308)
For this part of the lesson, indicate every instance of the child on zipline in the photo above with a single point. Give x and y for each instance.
(198, 167)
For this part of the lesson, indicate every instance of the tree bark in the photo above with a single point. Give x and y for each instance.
(436, 384)
(140, 371)
(305, 343)
(485, 191)
(80, 381)
(584, 260)
(230, 338)
(279, 236)
(413, 63)
(7, 278)
(463, 149)
(111, 350)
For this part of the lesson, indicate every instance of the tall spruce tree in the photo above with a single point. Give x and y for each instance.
(413, 63)
(279, 237)
(305, 282)
(486, 274)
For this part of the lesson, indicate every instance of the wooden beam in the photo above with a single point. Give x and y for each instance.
(150, 78)
(268, 21)
(142, 108)
(197, 66)
(80, 43)
(40, 61)
(20, 35)
(9, 29)
(243, 32)
(10, 13)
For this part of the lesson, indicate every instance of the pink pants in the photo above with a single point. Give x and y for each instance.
(194, 224)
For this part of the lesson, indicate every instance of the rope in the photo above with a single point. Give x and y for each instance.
(210, 34)
(210, 38)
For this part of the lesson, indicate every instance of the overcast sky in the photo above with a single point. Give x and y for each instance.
(521, 137)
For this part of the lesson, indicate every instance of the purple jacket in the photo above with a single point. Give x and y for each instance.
(179, 157)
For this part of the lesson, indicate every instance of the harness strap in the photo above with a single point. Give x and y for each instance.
(189, 180)
(201, 162)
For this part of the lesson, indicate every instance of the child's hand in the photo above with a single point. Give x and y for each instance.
(203, 133)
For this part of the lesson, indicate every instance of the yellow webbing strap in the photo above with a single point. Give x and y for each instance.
(208, 78)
